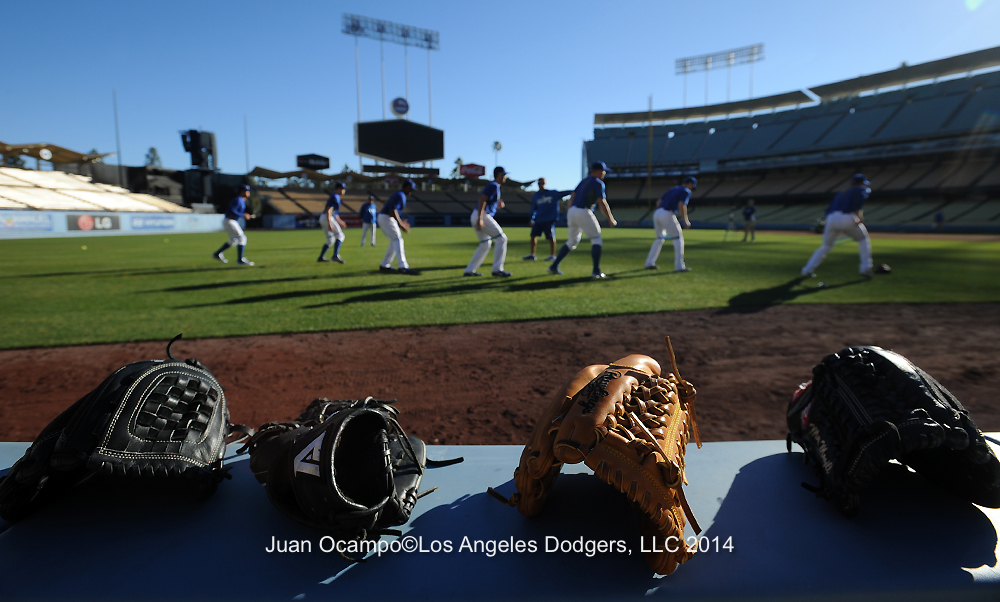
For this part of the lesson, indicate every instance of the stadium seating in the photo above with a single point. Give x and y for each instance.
(928, 147)
(58, 191)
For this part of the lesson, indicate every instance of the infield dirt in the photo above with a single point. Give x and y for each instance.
(487, 383)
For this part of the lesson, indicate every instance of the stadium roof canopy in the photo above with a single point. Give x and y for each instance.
(59, 154)
(963, 63)
(728, 108)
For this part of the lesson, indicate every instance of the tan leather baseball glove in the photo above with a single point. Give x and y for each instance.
(631, 426)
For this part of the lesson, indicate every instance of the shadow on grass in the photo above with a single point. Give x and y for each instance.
(217, 285)
(760, 299)
(126, 272)
(399, 287)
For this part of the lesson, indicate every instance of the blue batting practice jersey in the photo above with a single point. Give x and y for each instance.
(588, 192)
(675, 197)
(545, 205)
(748, 213)
(492, 193)
(333, 201)
(850, 200)
(368, 213)
(237, 208)
(397, 202)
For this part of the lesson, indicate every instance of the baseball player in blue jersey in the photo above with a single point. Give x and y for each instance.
(750, 221)
(845, 215)
(487, 229)
(332, 224)
(581, 220)
(674, 202)
(544, 215)
(390, 221)
(368, 215)
(237, 209)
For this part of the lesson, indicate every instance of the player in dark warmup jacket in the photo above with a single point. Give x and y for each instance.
(544, 215)
(581, 220)
(750, 221)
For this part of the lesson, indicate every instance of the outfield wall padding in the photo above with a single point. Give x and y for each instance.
(64, 224)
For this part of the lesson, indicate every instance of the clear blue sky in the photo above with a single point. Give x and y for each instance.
(529, 74)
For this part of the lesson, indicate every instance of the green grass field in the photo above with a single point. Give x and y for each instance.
(110, 289)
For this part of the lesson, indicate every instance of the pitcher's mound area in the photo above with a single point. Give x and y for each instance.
(487, 383)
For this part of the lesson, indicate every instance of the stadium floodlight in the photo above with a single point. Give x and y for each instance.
(387, 31)
(378, 29)
(717, 60)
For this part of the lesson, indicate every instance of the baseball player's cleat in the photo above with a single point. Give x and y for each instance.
(806, 274)
(471, 274)
(245, 261)
(652, 267)
(550, 258)
(338, 259)
(502, 274)
(868, 274)
(555, 271)
(322, 260)
(385, 268)
(684, 269)
(407, 271)
(598, 275)
(529, 258)
(220, 257)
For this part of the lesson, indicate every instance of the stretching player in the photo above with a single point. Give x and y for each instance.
(390, 222)
(487, 228)
(544, 215)
(845, 215)
(674, 201)
(332, 224)
(237, 209)
(368, 214)
(581, 220)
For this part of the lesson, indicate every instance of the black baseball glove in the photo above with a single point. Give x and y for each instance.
(344, 467)
(159, 422)
(866, 406)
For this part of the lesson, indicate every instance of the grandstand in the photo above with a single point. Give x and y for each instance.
(927, 146)
(425, 207)
(28, 190)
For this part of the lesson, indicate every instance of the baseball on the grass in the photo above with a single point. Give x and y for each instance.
(821, 285)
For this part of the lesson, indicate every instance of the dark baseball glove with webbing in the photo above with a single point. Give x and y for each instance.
(158, 423)
(866, 406)
(345, 467)
(630, 425)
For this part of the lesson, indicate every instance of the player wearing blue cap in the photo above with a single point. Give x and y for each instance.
(237, 208)
(368, 215)
(845, 216)
(674, 202)
(581, 220)
(390, 222)
(544, 215)
(332, 224)
(487, 229)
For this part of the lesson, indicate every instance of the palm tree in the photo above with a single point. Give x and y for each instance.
(455, 173)
(497, 147)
